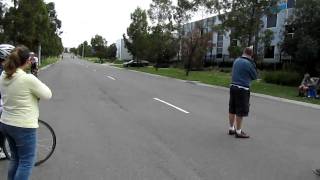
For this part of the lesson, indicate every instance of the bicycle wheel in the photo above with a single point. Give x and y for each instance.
(46, 143)
(6, 148)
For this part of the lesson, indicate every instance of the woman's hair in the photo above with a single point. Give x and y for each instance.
(17, 58)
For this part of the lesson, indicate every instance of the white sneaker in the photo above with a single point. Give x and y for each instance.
(2, 155)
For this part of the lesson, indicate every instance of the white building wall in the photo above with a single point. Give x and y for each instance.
(122, 52)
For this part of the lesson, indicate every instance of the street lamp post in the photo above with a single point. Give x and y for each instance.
(82, 50)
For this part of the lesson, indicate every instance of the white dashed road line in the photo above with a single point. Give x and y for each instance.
(112, 78)
(184, 111)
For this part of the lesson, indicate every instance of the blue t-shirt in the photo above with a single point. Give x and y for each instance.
(243, 72)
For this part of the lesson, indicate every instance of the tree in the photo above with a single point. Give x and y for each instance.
(160, 12)
(112, 51)
(2, 12)
(163, 45)
(302, 37)
(74, 51)
(99, 45)
(181, 15)
(15, 3)
(55, 23)
(137, 42)
(84, 47)
(52, 44)
(194, 46)
(33, 15)
(88, 50)
(33, 23)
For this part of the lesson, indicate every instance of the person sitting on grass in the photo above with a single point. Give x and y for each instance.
(304, 87)
(308, 87)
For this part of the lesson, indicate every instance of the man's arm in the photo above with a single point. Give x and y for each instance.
(253, 71)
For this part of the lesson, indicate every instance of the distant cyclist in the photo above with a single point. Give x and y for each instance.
(5, 50)
(34, 64)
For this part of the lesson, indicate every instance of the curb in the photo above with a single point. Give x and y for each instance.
(279, 99)
(315, 106)
(49, 65)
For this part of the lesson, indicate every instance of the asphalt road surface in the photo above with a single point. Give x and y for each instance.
(116, 124)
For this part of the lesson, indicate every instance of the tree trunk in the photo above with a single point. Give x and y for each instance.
(189, 65)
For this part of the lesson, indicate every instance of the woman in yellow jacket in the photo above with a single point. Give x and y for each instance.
(19, 120)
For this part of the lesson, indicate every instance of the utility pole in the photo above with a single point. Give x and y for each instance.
(39, 54)
(83, 50)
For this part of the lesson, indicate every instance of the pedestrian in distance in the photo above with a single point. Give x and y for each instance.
(19, 120)
(34, 63)
(304, 86)
(243, 72)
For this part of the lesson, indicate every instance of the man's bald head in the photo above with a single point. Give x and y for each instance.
(248, 51)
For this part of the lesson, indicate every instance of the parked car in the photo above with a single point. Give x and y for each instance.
(134, 63)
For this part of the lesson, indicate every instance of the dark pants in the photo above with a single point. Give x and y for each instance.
(239, 101)
(22, 142)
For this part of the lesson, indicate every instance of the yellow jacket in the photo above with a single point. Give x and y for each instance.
(20, 96)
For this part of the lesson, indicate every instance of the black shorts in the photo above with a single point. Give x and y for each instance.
(239, 101)
(34, 66)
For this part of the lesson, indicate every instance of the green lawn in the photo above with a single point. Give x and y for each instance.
(119, 62)
(92, 59)
(223, 79)
(49, 60)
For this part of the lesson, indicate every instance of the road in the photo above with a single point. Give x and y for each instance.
(116, 124)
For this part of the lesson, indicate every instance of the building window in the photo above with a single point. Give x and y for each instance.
(269, 52)
(272, 21)
(234, 42)
(289, 29)
(209, 22)
(290, 3)
(219, 44)
(219, 52)
(220, 36)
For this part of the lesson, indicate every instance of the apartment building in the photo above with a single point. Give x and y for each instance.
(122, 51)
(221, 40)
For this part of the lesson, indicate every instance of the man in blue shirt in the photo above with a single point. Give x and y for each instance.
(243, 72)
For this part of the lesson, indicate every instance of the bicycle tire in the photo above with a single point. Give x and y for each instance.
(43, 126)
(5, 148)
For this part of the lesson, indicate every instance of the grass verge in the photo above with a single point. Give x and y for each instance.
(223, 79)
(49, 60)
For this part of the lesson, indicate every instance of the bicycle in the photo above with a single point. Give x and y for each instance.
(46, 143)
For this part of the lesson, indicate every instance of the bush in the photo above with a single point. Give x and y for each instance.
(226, 70)
(282, 78)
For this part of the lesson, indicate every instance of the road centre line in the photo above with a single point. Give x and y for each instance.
(112, 78)
(171, 105)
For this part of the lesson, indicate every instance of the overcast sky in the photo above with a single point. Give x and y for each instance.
(82, 19)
